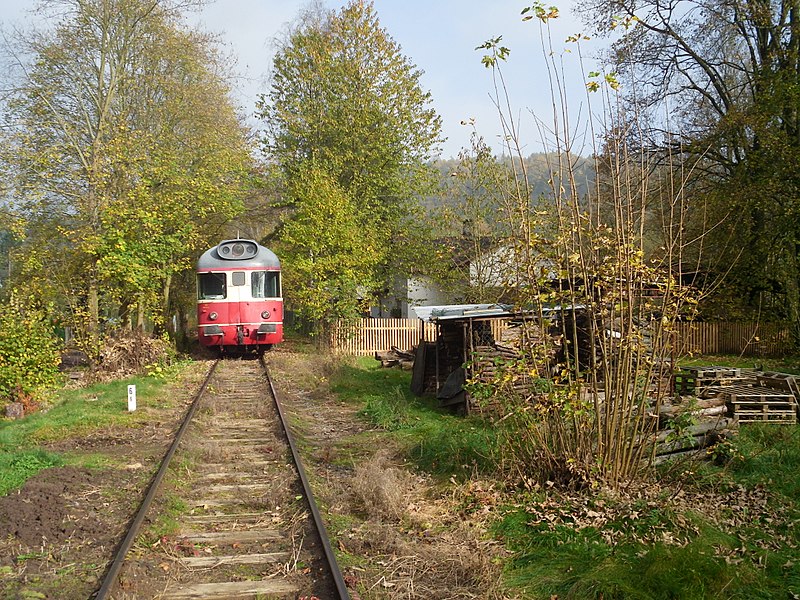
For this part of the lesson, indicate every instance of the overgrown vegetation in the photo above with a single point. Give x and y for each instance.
(696, 531)
(122, 156)
(351, 132)
(29, 353)
(600, 280)
(713, 86)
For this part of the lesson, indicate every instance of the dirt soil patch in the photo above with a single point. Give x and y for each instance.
(59, 531)
(398, 533)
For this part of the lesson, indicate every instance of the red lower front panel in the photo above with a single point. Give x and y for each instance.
(240, 324)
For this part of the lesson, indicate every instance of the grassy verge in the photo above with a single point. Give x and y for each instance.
(695, 531)
(737, 538)
(788, 364)
(74, 414)
(436, 440)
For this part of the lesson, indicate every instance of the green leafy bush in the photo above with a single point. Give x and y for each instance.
(29, 353)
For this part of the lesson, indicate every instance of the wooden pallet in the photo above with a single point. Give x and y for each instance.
(760, 404)
(783, 382)
(704, 382)
(780, 381)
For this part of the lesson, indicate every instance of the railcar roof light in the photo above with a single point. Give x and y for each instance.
(212, 316)
(237, 250)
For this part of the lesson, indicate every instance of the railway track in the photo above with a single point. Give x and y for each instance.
(245, 522)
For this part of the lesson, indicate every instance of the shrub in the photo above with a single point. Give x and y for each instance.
(133, 353)
(29, 352)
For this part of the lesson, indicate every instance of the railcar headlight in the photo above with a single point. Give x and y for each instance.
(265, 314)
(212, 316)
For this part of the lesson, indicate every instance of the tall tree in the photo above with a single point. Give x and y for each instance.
(125, 149)
(344, 98)
(723, 87)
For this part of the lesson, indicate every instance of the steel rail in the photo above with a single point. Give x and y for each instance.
(133, 531)
(338, 578)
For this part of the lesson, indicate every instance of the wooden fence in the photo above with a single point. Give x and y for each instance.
(368, 336)
(747, 339)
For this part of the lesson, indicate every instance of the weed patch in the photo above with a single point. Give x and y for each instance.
(693, 531)
(17, 467)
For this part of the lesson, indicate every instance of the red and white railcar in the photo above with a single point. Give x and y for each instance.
(239, 301)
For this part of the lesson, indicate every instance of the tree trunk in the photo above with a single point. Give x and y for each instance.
(93, 324)
(793, 296)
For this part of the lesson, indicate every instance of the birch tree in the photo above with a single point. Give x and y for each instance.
(124, 149)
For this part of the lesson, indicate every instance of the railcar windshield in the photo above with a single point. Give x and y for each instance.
(265, 284)
(211, 286)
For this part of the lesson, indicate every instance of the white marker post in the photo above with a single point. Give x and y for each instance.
(131, 398)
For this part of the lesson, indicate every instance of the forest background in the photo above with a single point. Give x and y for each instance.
(123, 155)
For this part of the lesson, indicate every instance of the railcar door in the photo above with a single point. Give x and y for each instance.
(239, 296)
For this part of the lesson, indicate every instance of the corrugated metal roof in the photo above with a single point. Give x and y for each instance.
(461, 311)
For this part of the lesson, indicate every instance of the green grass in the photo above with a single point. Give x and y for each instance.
(760, 558)
(770, 457)
(167, 520)
(17, 467)
(788, 364)
(74, 414)
(756, 560)
(435, 439)
(567, 563)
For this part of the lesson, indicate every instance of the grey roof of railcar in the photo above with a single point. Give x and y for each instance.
(264, 258)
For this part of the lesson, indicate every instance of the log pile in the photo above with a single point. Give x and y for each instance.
(395, 357)
(707, 421)
(486, 360)
(687, 442)
(699, 410)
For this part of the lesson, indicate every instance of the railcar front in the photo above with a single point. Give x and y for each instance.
(239, 297)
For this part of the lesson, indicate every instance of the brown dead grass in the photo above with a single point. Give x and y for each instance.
(403, 535)
(380, 489)
(130, 353)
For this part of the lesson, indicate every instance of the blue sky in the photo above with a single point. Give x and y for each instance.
(438, 36)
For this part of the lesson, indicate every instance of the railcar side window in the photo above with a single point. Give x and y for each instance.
(211, 286)
(265, 284)
(238, 278)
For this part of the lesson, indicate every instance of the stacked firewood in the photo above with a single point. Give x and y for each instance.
(487, 360)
